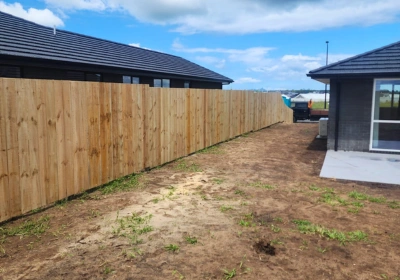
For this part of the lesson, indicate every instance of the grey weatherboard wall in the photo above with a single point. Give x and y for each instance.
(354, 114)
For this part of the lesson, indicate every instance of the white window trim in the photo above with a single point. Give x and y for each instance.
(373, 121)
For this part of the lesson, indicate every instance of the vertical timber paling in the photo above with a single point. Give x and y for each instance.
(60, 138)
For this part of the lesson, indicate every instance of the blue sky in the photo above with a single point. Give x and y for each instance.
(266, 44)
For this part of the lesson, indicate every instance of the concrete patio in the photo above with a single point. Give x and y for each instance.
(358, 166)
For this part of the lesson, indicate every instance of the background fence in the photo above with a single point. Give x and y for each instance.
(59, 138)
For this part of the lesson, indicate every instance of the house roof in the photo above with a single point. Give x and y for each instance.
(22, 38)
(380, 62)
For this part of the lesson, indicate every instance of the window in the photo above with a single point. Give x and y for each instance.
(91, 77)
(385, 125)
(186, 84)
(130, 80)
(165, 83)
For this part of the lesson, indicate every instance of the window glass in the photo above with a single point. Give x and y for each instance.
(135, 80)
(157, 82)
(386, 136)
(186, 85)
(93, 77)
(387, 97)
(165, 83)
(126, 79)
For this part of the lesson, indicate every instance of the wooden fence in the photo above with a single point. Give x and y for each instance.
(60, 138)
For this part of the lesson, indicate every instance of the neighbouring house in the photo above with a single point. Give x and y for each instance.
(316, 97)
(364, 112)
(29, 50)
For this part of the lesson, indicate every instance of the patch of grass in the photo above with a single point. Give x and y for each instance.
(262, 186)
(363, 196)
(61, 203)
(107, 270)
(132, 227)
(394, 204)
(218, 181)
(191, 240)
(27, 228)
(124, 184)
(172, 248)
(275, 228)
(358, 195)
(184, 166)
(178, 274)
(240, 192)
(278, 219)
(358, 204)
(224, 208)
(353, 210)
(322, 250)
(276, 242)
(307, 227)
(247, 220)
(214, 150)
(314, 188)
(229, 274)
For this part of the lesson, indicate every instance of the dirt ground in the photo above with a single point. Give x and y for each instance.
(250, 208)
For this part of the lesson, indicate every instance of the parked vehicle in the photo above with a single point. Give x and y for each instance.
(301, 112)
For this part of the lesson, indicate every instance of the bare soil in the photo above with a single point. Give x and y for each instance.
(239, 200)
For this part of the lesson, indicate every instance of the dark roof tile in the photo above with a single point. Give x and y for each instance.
(19, 37)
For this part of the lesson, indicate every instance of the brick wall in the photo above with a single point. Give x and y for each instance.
(355, 114)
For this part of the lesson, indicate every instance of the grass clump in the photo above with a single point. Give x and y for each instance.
(214, 150)
(132, 227)
(172, 248)
(27, 228)
(224, 208)
(122, 185)
(307, 227)
(262, 186)
(362, 196)
(247, 220)
(191, 240)
(186, 167)
(229, 274)
(394, 204)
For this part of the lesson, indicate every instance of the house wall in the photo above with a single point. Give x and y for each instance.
(75, 73)
(354, 114)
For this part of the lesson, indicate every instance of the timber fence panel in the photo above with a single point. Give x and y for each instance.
(60, 138)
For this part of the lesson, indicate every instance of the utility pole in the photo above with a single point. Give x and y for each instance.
(326, 63)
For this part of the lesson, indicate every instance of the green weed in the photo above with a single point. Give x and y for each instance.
(132, 227)
(172, 248)
(218, 181)
(278, 219)
(224, 208)
(262, 186)
(276, 242)
(191, 240)
(353, 210)
(108, 270)
(240, 192)
(124, 184)
(178, 274)
(186, 167)
(394, 204)
(308, 228)
(314, 188)
(275, 228)
(27, 228)
(215, 150)
(229, 274)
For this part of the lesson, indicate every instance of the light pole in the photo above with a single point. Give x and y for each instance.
(327, 44)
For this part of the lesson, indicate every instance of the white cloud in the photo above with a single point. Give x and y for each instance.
(250, 16)
(135, 45)
(215, 61)
(43, 17)
(246, 80)
(248, 56)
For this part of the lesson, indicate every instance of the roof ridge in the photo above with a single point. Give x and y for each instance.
(352, 58)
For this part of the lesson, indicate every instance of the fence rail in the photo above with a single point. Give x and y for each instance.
(60, 138)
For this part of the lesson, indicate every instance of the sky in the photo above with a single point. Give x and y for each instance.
(267, 44)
